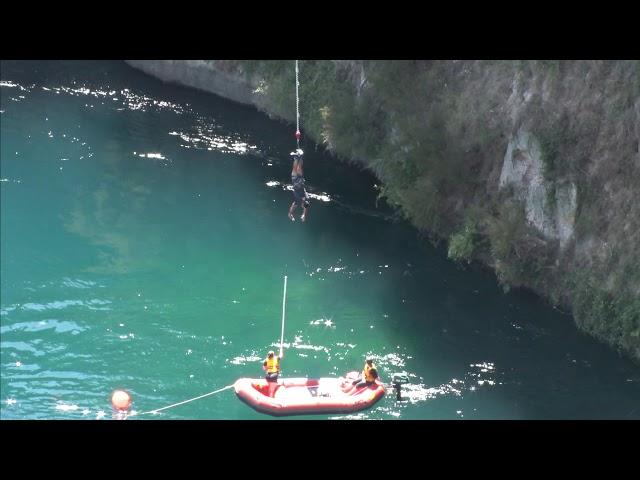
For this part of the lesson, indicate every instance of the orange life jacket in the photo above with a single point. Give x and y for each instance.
(366, 373)
(273, 364)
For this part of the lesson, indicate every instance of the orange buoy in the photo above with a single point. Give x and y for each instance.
(121, 400)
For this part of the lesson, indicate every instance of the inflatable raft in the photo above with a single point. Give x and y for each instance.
(307, 396)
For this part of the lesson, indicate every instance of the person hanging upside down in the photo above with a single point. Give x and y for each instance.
(299, 193)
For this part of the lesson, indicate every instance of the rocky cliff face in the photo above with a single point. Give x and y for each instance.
(550, 207)
(530, 167)
(207, 75)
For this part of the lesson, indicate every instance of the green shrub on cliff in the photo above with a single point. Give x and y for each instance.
(521, 256)
(612, 317)
(462, 244)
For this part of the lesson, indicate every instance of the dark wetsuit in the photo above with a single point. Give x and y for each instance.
(299, 194)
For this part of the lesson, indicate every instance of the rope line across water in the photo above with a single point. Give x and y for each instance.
(187, 401)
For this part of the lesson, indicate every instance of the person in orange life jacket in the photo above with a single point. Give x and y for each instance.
(369, 375)
(271, 366)
(299, 193)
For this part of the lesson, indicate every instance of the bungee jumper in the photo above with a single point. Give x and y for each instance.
(299, 193)
(300, 196)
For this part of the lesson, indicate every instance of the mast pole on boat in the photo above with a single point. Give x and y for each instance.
(284, 296)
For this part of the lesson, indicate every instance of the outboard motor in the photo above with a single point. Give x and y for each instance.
(397, 380)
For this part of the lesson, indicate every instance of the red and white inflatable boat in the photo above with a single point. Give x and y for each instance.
(307, 396)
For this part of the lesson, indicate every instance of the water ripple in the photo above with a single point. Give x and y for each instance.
(59, 305)
(209, 141)
(59, 326)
